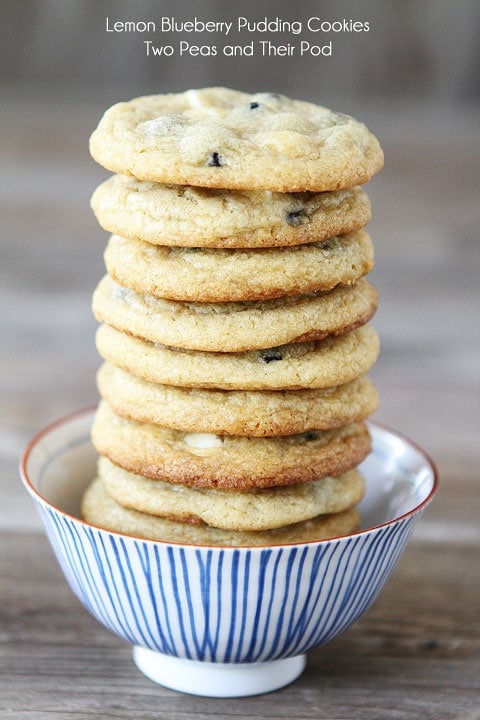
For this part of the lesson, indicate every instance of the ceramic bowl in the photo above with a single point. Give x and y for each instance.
(221, 621)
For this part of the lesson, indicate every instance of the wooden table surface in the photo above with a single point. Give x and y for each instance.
(416, 652)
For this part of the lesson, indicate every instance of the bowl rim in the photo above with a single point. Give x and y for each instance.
(69, 417)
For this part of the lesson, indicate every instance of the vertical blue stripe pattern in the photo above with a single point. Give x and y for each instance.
(232, 605)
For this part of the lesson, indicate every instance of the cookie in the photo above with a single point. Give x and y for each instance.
(186, 216)
(99, 509)
(228, 509)
(227, 462)
(236, 412)
(206, 275)
(235, 326)
(222, 138)
(315, 364)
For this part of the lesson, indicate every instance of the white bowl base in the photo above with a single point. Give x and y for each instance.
(218, 679)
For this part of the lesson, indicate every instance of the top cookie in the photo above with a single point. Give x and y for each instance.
(222, 138)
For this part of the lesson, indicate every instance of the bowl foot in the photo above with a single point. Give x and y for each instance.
(212, 679)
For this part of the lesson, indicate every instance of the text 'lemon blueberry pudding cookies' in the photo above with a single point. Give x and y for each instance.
(234, 319)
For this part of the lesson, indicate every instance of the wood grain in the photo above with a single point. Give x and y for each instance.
(416, 653)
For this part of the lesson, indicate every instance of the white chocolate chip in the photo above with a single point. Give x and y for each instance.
(202, 444)
(203, 441)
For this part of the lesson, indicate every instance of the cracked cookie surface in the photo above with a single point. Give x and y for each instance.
(315, 364)
(251, 511)
(235, 326)
(223, 138)
(236, 412)
(186, 216)
(99, 509)
(227, 462)
(221, 275)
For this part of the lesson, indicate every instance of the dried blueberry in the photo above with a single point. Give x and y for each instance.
(295, 217)
(268, 356)
(215, 160)
(331, 245)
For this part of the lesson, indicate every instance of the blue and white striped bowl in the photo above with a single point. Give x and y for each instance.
(223, 621)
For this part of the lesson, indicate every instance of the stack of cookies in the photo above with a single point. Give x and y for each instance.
(235, 319)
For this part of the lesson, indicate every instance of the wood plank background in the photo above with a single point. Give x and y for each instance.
(416, 652)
